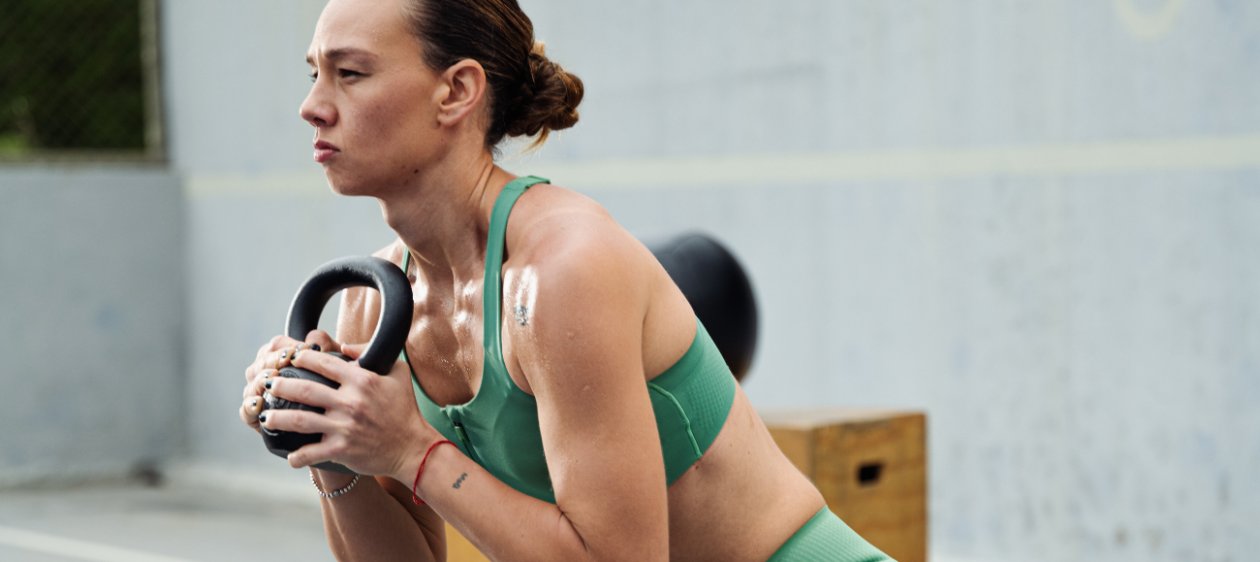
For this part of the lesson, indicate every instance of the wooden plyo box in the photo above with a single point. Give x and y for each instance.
(460, 549)
(871, 467)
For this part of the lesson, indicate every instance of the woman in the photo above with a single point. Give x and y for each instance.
(557, 398)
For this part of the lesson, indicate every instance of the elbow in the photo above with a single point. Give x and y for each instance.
(623, 543)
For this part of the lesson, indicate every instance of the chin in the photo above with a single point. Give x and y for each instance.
(342, 184)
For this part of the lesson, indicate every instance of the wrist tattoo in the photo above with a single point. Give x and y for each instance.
(460, 481)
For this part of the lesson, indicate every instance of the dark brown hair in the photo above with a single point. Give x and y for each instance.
(529, 94)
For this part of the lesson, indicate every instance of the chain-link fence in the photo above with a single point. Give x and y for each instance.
(78, 77)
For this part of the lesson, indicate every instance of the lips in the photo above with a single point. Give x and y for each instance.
(324, 151)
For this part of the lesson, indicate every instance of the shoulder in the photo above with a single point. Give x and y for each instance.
(571, 243)
(360, 306)
(577, 286)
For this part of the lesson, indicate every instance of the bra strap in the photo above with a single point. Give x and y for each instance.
(492, 285)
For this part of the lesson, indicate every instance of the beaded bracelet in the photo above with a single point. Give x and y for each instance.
(338, 492)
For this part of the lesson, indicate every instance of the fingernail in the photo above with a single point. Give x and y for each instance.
(316, 347)
(253, 402)
(262, 418)
(295, 355)
(267, 385)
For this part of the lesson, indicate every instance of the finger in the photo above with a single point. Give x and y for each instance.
(250, 408)
(319, 340)
(298, 421)
(275, 344)
(335, 369)
(314, 453)
(253, 406)
(267, 347)
(249, 421)
(353, 350)
(260, 364)
(301, 391)
(284, 357)
(269, 360)
(255, 386)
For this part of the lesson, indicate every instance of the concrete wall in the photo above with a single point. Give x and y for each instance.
(91, 329)
(1035, 221)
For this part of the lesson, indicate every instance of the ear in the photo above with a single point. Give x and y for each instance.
(461, 91)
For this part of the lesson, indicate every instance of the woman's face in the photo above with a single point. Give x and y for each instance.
(372, 101)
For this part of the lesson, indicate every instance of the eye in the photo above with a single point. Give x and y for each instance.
(347, 73)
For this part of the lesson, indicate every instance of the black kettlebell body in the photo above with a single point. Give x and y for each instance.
(718, 290)
(283, 442)
(381, 352)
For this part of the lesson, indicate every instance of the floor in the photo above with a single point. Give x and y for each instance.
(132, 522)
(137, 523)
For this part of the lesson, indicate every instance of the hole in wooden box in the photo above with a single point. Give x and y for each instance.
(868, 473)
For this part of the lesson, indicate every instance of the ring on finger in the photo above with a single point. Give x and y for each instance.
(254, 406)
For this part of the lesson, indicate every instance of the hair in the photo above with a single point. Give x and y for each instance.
(529, 94)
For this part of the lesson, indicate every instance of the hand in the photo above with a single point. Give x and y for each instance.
(371, 423)
(272, 357)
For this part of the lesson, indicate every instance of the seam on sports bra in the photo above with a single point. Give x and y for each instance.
(691, 436)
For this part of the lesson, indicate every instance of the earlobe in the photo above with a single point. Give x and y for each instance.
(462, 90)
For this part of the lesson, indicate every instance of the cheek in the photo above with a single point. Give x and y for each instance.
(397, 128)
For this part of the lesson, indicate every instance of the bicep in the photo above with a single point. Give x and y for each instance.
(582, 355)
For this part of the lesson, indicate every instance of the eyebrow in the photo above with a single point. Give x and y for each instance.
(339, 53)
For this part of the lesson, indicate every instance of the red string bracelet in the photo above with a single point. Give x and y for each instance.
(414, 497)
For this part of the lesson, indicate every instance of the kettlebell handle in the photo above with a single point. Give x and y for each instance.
(358, 271)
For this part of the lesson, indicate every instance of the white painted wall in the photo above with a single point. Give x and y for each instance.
(1036, 221)
(91, 308)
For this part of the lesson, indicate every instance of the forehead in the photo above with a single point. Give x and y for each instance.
(376, 26)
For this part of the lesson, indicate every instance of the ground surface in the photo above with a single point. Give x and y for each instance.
(136, 523)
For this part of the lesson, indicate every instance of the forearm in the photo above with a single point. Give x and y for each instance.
(502, 522)
(369, 523)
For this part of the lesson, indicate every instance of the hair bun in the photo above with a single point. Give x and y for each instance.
(551, 100)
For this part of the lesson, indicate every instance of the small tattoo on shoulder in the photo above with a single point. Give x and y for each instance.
(460, 481)
(522, 315)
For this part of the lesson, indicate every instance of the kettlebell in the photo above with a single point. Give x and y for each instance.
(381, 353)
(718, 290)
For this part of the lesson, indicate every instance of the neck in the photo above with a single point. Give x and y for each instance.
(444, 215)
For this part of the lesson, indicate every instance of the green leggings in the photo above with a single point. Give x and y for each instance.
(826, 537)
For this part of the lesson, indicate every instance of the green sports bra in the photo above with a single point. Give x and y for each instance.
(498, 427)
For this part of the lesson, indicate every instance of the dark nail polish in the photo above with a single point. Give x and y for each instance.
(262, 418)
(295, 355)
(267, 385)
(316, 347)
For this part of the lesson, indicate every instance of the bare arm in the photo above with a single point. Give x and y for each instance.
(377, 520)
(582, 356)
(581, 352)
(502, 522)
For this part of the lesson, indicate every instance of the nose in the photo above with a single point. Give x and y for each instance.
(316, 109)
